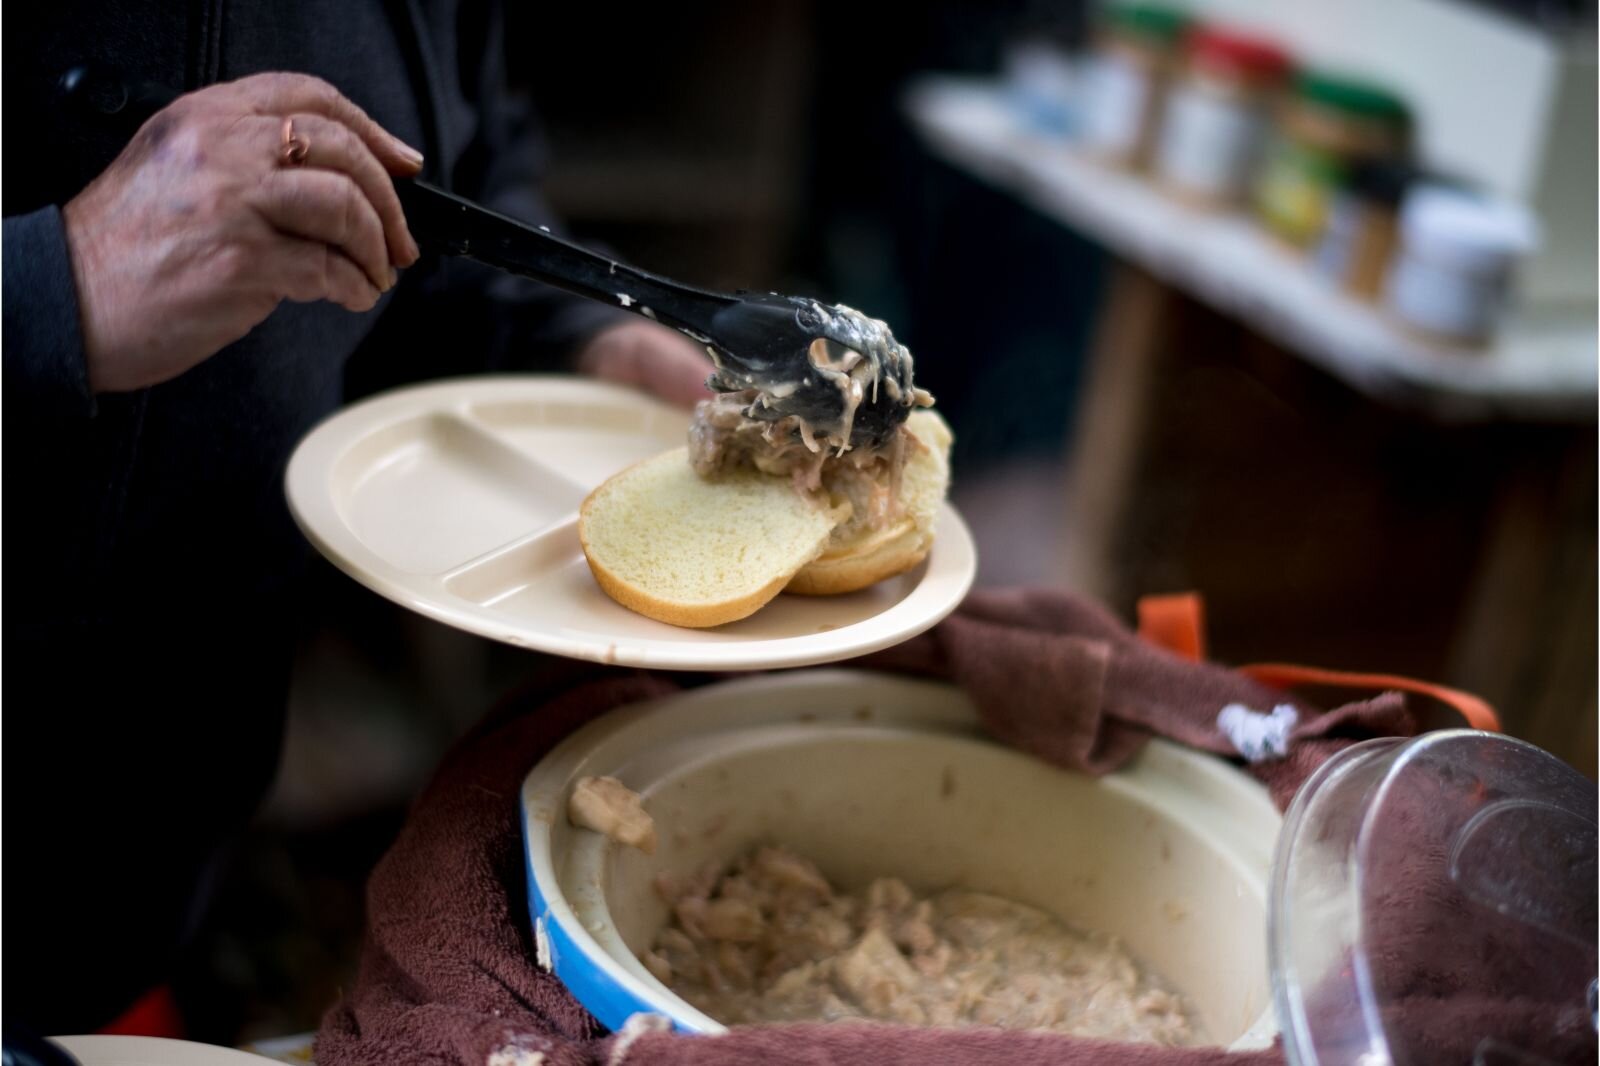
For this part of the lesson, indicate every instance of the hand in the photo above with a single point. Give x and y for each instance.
(199, 229)
(651, 357)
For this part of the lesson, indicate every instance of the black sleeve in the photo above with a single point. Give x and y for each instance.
(43, 341)
(453, 316)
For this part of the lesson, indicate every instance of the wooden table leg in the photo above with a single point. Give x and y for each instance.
(1527, 639)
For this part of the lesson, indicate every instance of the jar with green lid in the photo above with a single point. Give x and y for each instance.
(1136, 50)
(1329, 124)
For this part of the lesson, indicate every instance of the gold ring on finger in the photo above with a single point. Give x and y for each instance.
(295, 147)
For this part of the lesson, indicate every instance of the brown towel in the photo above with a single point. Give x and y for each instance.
(448, 973)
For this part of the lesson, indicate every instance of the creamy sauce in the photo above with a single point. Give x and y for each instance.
(772, 941)
(852, 353)
(871, 359)
(723, 438)
(744, 427)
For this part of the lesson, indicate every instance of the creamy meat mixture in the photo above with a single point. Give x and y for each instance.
(722, 437)
(771, 940)
(607, 806)
(727, 433)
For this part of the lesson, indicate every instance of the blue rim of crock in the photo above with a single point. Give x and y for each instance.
(584, 974)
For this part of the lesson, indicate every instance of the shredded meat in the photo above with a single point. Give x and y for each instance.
(770, 940)
(607, 806)
(722, 438)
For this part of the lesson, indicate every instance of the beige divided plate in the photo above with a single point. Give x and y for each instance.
(460, 500)
(152, 1051)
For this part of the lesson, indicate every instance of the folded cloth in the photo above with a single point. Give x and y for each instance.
(448, 974)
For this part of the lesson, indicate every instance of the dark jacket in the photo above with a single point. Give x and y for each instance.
(149, 558)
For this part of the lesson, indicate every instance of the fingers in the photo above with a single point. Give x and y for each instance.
(678, 375)
(308, 270)
(290, 94)
(651, 357)
(332, 146)
(326, 206)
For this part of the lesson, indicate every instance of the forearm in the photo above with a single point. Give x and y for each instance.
(45, 367)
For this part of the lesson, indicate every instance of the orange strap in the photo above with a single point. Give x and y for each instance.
(1177, 623)
(1477, 712)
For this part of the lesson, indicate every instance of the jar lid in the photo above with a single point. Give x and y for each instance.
(1256, 58)
(1383, 180)
(1352, 96)
(1434, 900)
(1155, 23)
(1472, 232)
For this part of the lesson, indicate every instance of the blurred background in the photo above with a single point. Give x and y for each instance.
(1288, 302)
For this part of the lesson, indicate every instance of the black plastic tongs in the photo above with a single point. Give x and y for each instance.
(794, 352)
(757, 341)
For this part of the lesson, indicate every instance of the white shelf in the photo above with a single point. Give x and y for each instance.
(1539, 369)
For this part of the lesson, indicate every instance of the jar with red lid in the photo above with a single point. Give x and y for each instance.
(1217, 115)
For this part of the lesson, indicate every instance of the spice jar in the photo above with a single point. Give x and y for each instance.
(1329, 124)
(1216, 116)
(1457, 254)
(1126, 79)
(1038, 77)
(1363, 226)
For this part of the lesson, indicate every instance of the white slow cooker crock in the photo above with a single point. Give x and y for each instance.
(869, 775)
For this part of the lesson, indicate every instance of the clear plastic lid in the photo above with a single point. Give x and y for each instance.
(1434, 901)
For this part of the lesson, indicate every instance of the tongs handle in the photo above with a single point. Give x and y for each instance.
(447, 224)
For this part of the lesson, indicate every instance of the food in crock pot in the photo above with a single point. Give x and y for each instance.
(607, 806)
(771, 940)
